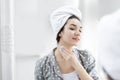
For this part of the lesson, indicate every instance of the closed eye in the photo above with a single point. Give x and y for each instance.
(72, 29)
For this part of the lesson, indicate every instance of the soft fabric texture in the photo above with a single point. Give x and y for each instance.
(109, 44)
(70, 76)
(47, 68)
(59, 17)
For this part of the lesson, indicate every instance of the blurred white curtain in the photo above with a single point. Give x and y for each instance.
(6, 40)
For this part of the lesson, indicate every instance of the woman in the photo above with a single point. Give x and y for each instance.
(66, 62)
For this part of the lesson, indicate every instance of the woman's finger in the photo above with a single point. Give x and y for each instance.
(65, 54)
(67, 51)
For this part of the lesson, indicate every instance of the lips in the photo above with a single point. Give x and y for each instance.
(76, 39)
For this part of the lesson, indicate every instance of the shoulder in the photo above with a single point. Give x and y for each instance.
(85, 54)
(41, 64)
(42, 60)
(86, 58)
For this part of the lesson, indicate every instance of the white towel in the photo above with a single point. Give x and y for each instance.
(59, 17)
(109, 44)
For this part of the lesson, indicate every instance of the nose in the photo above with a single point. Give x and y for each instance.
(77, 33)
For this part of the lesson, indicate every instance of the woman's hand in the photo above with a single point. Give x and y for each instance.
(69, 56)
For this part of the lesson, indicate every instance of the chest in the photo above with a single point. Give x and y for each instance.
(65, 67)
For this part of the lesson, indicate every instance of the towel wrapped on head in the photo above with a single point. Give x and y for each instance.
(59, 17)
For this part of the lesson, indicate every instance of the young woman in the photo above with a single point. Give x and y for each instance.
(65, 62)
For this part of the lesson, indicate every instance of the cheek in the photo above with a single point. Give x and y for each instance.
(69, 34)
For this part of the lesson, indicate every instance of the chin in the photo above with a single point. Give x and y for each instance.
(75, 44)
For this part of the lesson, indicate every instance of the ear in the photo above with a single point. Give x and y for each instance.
(60, 34)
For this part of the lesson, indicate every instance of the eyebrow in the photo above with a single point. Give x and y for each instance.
(75, 25)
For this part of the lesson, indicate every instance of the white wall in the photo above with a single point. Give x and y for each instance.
(108, 6)
(33, 32)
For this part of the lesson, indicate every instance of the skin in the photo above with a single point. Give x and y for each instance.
(70, 37)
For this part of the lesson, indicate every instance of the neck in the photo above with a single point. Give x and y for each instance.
(58, 54)
(70, 48)
(67, 46)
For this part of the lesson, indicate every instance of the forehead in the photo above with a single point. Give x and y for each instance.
(74, 21)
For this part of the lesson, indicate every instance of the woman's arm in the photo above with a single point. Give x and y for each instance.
(72, 59)
(82, 72)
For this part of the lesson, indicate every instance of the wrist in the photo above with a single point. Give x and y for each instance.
(78, 66)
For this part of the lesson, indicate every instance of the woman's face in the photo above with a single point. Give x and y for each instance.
(71, 33)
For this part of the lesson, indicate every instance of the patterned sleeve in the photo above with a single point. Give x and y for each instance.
(90, 68)
(38, 70)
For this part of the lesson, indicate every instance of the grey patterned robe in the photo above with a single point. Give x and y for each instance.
(47, 68)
